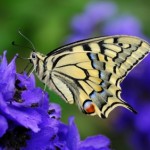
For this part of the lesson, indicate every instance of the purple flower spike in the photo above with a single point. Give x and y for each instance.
(22, 105)
(123, 25)
(144, 123)
(100, 11)
(82, 24)
(94, 15)
(27, 120)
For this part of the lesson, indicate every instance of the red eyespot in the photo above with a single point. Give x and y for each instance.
(89, 107)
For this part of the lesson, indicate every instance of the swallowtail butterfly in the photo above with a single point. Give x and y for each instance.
(89, 72)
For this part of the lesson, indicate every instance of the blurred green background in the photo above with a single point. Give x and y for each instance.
(47, 24)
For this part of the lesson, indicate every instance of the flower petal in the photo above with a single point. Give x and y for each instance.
(73, 135)
(27, 81)
(3, 105)
(3, 63)
(28, 118)
(32, 96)
(3, 125)
(54, 111)
(96, 142)
(42, 140)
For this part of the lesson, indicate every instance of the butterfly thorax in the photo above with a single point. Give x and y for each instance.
(39, 64)
(42, 67)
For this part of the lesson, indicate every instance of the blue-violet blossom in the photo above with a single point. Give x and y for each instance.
(28, 121)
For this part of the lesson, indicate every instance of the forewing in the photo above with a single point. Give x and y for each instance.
(90, 72)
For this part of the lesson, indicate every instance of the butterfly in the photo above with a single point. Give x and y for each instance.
(89, 72)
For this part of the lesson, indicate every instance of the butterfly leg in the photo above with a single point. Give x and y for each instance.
(31, 70)
(45, 87)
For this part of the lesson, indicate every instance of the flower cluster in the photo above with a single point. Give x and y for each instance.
(28, 121)
(137, 92)
(99, 19)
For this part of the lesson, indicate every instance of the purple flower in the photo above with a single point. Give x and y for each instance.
(72, 138)
(28, 121)
(96, 142)
(99, 19)
(123, 25)
(94, 15)
(3, 125)
(18, 113)
(22, 105)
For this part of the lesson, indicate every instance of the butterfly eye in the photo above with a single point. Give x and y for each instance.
(33, 55)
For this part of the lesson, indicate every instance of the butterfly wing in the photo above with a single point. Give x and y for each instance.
(90, 72)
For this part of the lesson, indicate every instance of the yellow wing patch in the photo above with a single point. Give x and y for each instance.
(72, 59)
(72, 71)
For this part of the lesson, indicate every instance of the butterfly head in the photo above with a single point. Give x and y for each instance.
(36, 56)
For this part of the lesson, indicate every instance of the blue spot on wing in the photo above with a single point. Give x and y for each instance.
(93, 95)
(93, 56)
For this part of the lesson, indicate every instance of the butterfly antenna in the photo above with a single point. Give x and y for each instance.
(33, 47)
(13, 43)
(23, 58)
